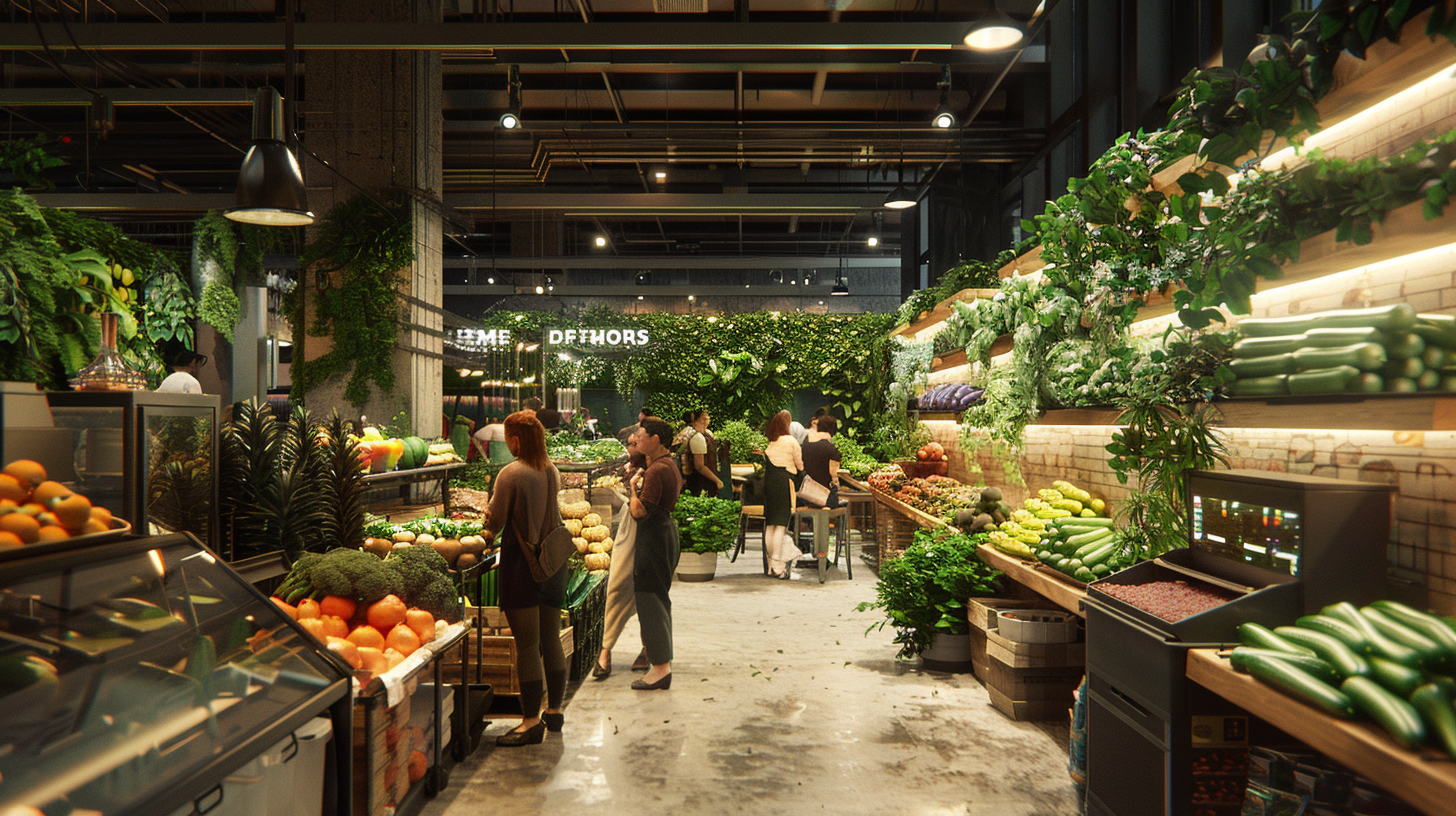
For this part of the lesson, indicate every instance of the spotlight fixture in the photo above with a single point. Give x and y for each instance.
(692, 298)
(510, 119)
(490, 281)
(540, 290)
(644, 278)
(900, 198)
(601, 240)
(639, 297)
(270, 184)
(995, 31)
(840, 288)
(944, 117)
(873, 241)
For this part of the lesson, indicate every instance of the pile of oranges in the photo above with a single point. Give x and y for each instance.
(36, 511)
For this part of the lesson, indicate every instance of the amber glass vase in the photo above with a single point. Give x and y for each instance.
(108, 372)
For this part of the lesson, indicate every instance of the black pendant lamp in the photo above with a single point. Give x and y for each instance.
(995, 31)
(270, 183)
(902, 197)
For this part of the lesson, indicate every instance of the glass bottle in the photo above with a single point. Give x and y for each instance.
(108, 372)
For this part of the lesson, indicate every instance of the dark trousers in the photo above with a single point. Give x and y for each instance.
(654, 612)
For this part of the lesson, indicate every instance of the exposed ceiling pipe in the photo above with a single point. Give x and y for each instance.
(793, 224)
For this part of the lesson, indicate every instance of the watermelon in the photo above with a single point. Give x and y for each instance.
(415, 452)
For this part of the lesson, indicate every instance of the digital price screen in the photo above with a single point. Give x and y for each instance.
(1267, 537)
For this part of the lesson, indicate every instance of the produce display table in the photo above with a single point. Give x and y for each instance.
(587, 619)
(404, 478)
(591, 469)
(1426, 780)
(1058, 592)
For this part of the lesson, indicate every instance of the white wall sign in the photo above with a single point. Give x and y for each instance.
(597, 337)
(483, 337)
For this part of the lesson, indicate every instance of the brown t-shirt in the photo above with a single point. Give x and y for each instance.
(661, 483)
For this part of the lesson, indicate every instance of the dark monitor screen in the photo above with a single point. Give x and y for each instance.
(1267, 537)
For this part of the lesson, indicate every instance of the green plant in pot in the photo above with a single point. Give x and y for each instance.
(706, 524)
(923, 592)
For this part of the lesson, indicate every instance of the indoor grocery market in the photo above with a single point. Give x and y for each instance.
(984, 407)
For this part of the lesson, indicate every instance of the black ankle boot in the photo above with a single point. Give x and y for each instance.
(531, 736)
(553, 721)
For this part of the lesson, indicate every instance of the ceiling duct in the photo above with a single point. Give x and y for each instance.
(680, 6)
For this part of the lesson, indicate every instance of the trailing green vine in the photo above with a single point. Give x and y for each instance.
(27, 160)
(367, 247)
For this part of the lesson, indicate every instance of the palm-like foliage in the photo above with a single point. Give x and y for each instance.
(346, 486)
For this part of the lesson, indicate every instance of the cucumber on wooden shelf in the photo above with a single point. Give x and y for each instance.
(1385, 349)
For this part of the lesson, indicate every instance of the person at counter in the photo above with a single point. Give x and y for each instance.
(185, 364)
(699, 456)
(821, 458)
(490, 443)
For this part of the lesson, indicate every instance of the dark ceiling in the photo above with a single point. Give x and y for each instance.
(780, 124)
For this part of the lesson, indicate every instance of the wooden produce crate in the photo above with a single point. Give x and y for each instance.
(384, 740)
(893, 533)
(497, 661)
(1022, 710)
(1055, 683)
(1035, 655)
(982, 612)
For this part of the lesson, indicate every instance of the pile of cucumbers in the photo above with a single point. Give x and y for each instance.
(1386, 661)
(1084, 548)
(1363, 351)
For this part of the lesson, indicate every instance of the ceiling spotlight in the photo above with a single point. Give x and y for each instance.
(692, 298)
(660, 175)
(944, 117)
(511, 118)
(900, 198)
(551, 288)
(540, 290)
(270, 184)
(533, 347)
(639, 297)
(873, 241)
(994, 31)
(601, 241)
(477, 373)
(490, 281)
(464, 372)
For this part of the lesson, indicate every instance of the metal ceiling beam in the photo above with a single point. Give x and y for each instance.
(676, 262)
(589, 204)
(172, 97)
(674, 36)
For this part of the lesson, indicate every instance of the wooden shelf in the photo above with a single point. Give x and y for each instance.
(923, 519)
(942, 311)
(1388, 68)
(1058, 592)
(1351, 412)
(1364, 748)
(1080, 416)
(952, 359)
(933, 416)
(1026, 263)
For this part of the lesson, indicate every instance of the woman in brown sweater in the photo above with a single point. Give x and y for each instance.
(524, 501)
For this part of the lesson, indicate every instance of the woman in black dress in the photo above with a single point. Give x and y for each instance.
(784, 461)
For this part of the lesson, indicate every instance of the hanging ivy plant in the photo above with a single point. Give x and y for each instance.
(27, 160)
(358, 256)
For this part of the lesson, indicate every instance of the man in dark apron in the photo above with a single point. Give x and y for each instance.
(655, 550)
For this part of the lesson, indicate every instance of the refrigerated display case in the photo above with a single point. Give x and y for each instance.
(136, 676)
(148, 458)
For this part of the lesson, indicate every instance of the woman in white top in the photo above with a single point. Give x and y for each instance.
(183, 380)
(785, 459)
(490, 442)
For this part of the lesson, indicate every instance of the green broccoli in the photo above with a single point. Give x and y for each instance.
(425, 582)
(353, 574)
(297, 585)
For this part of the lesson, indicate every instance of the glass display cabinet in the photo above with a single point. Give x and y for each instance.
(137, 675)
(149, 458)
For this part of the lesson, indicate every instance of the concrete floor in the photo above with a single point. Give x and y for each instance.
(780, 704)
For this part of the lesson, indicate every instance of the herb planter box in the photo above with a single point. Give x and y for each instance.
(1037, 626)
(949, 653)
(696, 567)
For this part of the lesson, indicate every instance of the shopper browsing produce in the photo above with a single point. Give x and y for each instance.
(621, 597)
(821, 457)
(655, 551)
(631, 429)
(699, 456)
(816, 433)
(185, 364)
(524, 507)
(785, 460)
(490, 442)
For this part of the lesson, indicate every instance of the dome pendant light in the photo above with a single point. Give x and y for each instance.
(995, 31)
(902, 197)
(270, 183)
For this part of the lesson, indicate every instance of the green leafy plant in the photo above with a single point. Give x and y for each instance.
(923, 591)
(706, 524)
(27, 160)
(368, 247)
(742, 441)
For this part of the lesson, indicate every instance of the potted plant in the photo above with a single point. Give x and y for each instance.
(706, 526)
(923, 594)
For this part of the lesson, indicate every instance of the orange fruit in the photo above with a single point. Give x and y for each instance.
(31, 509)
(346, 650)
(51, 532)
(422, 623)
(31, 473)
(92, 525)
(314, 627)
(284, 605)
(9, 540)
(386, 613)
(334, 605)
(23, 526)
(44, 519)
(6, 505)
(402, 639)
(13, 489)
(373, 659)
(101, 514)
(368, 636)
(308, 608)
(335, 627)
(72, 511)
(47, 492)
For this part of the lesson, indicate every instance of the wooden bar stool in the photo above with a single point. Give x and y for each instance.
(746, 514)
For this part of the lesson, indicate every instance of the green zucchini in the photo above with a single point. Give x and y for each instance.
(1330, 649)
(1436, 357)
(1300, 685)
(1087, 538)
(1098, 556)
(1262, 386)
(1085, 551)
(1266, 346)
(1395, 630)
(1400, 385)
(1401, 680)
(1249, 367)
(1429, 381)
(1425, 623)
(1435, 706)
(1366, 382)
(1084, 575)
(1334, 627)
(1319, 669)
(1364, 356)
(1437, 330)
(1078, 529)
(1331, 338)
(1380, 643)
(1395, 317)
(1073, 521)
(1391, 712)
(1410, 367)
(1101, 570)
(1252, 634)
(1322, 381)
(1404, 345)
(1061, 565)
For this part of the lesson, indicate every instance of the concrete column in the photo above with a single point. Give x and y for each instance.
(376, 117)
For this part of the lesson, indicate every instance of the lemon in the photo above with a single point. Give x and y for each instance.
(127, 278)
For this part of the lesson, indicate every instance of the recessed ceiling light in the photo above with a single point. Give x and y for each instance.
(660, 175)
(490, 281)
(601, 241)
(873, 241)
(540, 290)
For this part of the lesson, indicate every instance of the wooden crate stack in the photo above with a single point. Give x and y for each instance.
(384, 743)
(495, 648)
(1026, 681)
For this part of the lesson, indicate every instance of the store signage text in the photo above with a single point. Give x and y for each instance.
(484, 337)
(597, 337)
